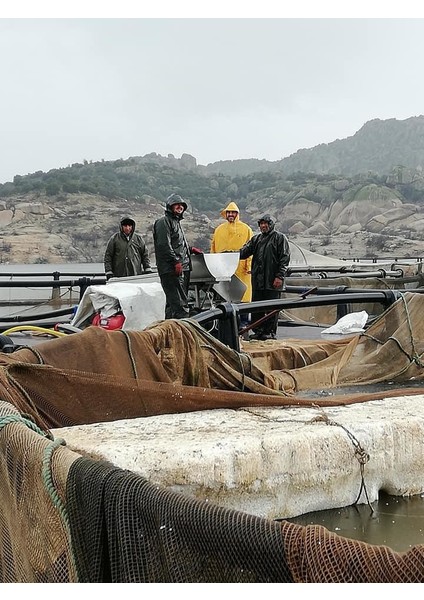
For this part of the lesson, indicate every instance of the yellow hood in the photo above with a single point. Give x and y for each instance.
(231, 206)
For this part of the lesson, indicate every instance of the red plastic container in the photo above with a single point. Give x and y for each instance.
(114, 322)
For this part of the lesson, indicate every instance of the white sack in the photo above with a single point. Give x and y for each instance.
(351, 323)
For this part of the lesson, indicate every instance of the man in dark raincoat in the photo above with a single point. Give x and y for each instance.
(126, 252)
(270, 253)
(173, 257)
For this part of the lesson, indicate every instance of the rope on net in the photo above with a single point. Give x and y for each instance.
(47, 475)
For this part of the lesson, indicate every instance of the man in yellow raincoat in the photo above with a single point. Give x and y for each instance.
(230, 237)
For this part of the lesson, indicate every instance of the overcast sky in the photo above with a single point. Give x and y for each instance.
(75, 89)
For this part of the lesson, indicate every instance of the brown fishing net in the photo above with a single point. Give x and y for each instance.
(34, 529)
(68, 518)
(327, 315)
(177, 366)
(155, 535)
(390, 350)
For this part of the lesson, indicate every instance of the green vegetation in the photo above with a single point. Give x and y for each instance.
(121, 179)
(132, 180)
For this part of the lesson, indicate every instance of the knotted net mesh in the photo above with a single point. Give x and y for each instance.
(64, 517)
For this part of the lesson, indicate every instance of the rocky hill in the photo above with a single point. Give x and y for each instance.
(67, 215)
(379, 146)
(335, 217)
(76, 228)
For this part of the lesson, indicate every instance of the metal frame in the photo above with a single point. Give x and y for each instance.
(227, 314)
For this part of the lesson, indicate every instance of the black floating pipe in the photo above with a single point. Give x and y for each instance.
(319, 291)
(84, 281)
(222, 311)
(38, 317)
(228, 325)
(385, 297)
(333, 273)
(54, 274)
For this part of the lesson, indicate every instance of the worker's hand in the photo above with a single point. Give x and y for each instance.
(148, 271)
(277, 283)
(109, 274)
(178, 269)
(196, 250)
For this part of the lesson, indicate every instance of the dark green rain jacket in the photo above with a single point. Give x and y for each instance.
(171, 245)
(125, 257)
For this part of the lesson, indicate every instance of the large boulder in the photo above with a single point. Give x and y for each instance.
(318, 228)
(302, 210)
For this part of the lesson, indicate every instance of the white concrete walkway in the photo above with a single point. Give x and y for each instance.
(270, 462)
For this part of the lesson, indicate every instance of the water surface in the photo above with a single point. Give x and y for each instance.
(394, 521)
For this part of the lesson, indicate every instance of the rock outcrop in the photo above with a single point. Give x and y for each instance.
(334, 219)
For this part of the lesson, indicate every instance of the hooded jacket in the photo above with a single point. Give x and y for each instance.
(270, 256)
(230, 237)
(171, 246)
(125, 257)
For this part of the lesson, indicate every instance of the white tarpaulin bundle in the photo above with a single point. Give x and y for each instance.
(141, 300)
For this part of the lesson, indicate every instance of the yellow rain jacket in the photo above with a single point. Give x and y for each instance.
(230, 237)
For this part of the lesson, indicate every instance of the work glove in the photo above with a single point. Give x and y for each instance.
(196, 250)
(148, 271)
(277, 283)
(178, 269)
(109, 274)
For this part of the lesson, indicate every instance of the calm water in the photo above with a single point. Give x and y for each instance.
(37, 300)
(397, 522)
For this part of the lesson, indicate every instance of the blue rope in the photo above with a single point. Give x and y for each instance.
(13, 418)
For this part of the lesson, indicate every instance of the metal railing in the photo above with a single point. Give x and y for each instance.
(227, 315)
(56, 283)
